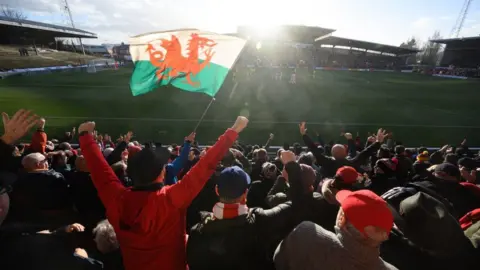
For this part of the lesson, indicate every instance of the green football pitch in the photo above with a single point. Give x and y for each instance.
(418, 109)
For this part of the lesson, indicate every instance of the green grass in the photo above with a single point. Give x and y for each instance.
(419, 110)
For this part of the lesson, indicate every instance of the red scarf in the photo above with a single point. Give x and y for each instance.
(228, 211)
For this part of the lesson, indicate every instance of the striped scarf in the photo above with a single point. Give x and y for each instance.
(228, 211)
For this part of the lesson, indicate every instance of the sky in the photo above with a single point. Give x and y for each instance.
(383, 21)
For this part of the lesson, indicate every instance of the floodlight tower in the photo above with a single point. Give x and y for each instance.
(69, 13)
(460, 19)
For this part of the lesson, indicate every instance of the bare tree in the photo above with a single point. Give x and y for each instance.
(411, 43)
(12, 13)
(431, 51)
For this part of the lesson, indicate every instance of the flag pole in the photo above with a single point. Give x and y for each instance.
(213, 98)
(204, 113)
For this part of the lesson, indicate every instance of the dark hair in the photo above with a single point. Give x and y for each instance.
(229, 159)
(297, 149)
(421, 150)
(399, 149)
(286, 146)
(384, 152)
(306, 158)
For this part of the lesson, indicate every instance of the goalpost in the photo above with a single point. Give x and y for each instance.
(94, 66)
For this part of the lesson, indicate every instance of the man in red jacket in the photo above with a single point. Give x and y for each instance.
(149, 219)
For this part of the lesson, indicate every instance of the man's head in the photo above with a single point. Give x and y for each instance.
(306, 158)
(451, 158)
(383, 152)
(400, 150)
(35, 162)
(447, 171)
(232, 185)
(385, 166)
(339, 151)
(308, 177)
(193, 154)
(64, 146)
(105, 237)
(148, 166)
(345, 178)
(367, 213)
(81, 164)
(269, 170)
(261, 156)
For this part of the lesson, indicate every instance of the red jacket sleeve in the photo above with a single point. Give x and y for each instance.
(108, 186)
(183, 193)
(39, 141)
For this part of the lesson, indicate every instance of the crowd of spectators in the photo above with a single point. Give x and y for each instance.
(337, 205)
(274, 54)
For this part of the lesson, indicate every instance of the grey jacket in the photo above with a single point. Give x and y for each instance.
(311, 247)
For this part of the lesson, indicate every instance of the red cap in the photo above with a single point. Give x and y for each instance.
(348, 174)
(364, 208)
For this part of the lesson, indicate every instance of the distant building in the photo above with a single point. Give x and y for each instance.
(121, 52)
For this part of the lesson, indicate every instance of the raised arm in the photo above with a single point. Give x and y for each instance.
(106, 182)
(371, 149)
(182, 193)
(39, 138)
(182, 159)
(352, 149)
(279, 215)
(322, 160)
(14, 129)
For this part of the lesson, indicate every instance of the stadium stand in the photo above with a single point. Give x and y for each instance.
(461, 56)
(30, 44)
(26, 32)
(316, 47)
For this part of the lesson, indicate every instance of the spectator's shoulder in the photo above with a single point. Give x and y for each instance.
(309, 230)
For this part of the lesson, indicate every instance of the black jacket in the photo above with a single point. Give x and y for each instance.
(404, 168)
(39, 196)
(462, 198)
(329, 165)
(85, 198)
(257, 193)
(245, 242)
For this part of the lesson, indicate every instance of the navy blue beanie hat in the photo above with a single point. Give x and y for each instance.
(232, 182)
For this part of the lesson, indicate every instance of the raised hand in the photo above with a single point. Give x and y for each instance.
(81, 252)
(128, 136)
(381, 134)
(444, 148)
(348, 136)
(76, 227)
(15, 128)
(191, 137)
(240, 124)
(88, 127)
(303, 128)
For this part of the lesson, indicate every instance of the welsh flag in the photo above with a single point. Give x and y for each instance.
(190, 60)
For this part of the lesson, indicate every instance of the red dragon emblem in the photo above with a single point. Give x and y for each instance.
(172, 63)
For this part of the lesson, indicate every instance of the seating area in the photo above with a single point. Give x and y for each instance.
(11, 58)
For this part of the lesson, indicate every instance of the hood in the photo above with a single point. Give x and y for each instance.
(136, 210)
